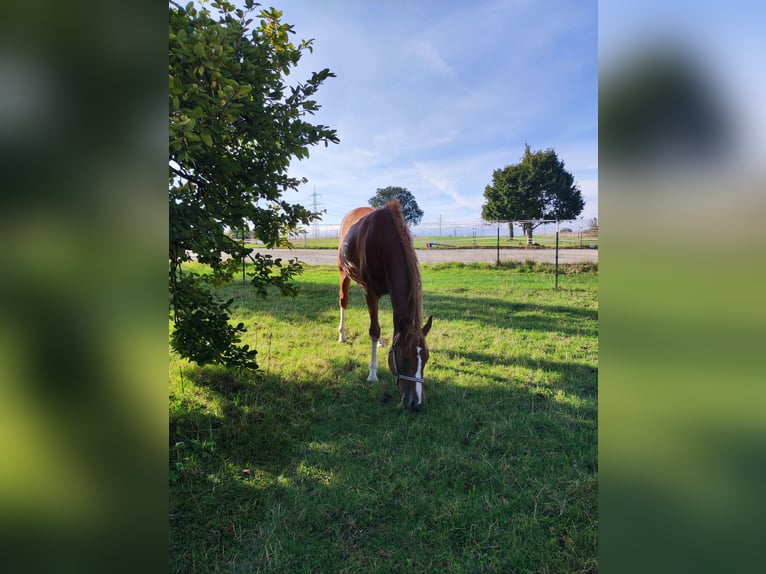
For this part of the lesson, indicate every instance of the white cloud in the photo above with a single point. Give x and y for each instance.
(428, 54)
(450, 93)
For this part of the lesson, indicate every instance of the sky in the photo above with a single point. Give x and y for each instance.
(435, 95)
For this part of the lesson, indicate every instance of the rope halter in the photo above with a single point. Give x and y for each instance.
(398, 375)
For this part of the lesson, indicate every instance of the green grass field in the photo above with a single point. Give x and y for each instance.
(305, 467)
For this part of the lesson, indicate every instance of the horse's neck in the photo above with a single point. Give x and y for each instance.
(399, 289)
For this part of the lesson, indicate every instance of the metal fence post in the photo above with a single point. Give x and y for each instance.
(557, 254)
(498, 244)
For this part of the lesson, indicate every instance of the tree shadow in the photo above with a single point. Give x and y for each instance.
(254, 418)
(513, 315)
(574, 378)
(271, 443)
(495, 312)
(302, 307)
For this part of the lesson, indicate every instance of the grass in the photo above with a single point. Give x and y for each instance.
(304, 467)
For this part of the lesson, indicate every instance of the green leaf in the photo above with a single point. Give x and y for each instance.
(233, 144)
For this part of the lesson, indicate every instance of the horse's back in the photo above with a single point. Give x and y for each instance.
(349, 256)
(351, 218)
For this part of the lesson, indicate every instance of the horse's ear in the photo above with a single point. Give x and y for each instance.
(427, 326)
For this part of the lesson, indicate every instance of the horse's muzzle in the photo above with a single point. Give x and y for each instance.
(415, 406)
(410, 401)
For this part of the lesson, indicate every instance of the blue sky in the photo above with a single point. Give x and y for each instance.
(435, 95)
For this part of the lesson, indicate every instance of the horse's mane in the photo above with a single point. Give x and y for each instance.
(415, 295)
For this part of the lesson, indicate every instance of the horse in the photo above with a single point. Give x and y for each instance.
(376, 251)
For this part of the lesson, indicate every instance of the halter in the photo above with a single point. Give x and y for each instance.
(396, 368)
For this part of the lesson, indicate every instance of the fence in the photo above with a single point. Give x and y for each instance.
(445, 234)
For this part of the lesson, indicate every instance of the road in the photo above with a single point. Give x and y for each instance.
(330, 257)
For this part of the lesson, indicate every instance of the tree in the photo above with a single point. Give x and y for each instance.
(234, 126)
(535, 189)
(410, 210)
(659, 109)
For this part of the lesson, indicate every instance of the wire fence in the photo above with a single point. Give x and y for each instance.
(464, 235)
(477, 242)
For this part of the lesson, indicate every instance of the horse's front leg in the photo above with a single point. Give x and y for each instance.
(372, 307)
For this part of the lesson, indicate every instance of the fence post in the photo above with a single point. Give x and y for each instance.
(557, 254)
(498, 245)
(244, 280)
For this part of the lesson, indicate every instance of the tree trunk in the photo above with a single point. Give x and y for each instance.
(510, 230)
(528, 227)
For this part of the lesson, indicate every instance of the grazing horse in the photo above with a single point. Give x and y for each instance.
(376, 251)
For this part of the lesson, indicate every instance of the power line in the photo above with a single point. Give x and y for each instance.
(314, 197)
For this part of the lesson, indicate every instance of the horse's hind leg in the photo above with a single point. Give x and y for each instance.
(372, 307)
(343, 299)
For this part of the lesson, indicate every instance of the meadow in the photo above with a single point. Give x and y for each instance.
(302, 466)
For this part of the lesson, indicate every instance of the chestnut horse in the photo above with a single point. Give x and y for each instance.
(376, 251)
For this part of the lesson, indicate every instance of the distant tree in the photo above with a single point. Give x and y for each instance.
(593, 224)
(410, 210)
(536, 188)
(660, 108)
(234, 126)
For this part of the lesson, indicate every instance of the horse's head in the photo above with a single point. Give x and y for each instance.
(407, 360)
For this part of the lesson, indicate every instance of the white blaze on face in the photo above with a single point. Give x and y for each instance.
(419, 375)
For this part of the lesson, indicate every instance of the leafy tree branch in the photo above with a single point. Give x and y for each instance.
(234, 126)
